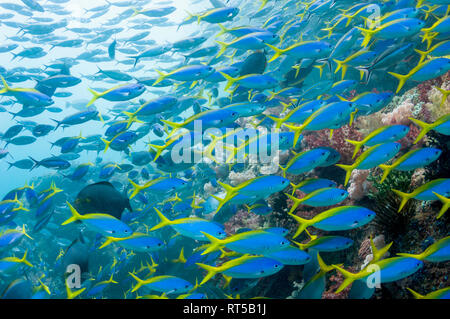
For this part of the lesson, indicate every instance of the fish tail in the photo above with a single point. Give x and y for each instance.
(215, 245)
(131, 117)
(303, 224)
(425, 128)
(419, 3)
(223, 48)
(348, 172)
(36, 163)
(164, 221)
(297, 131)
(277, 120)
(96, 95)
(278, 52)
(402, 80)
(75, 215)
(446, 204)
(357, 145)
(429, 36)
(212, 271)
(160, 149)
(109, 241)
(415, 294)
(324, 267)
(349, 17)
(58, 124)
(107, 143)
(6, 88)
(349, 278)
(445, 94)
(231, 80)
(24, 232)
(161, 78)
(24, 260)
(404, 196)
(341, 65)
(73, 294)
(368, 34)
(223, 30)
(139, 282)
(136, 190)
(386, 170)
(297, 202)
(135, 12)
(423, 54)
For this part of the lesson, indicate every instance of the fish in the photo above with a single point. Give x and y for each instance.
(101, 197)
(104, 224)
(191, 227)
(390, 269)
(246, 266)
(374, 156)
(426, 191)
(165, 284)
(257, 242)
(319, 198)
(415, 158)
(339, 218)
(437, 252)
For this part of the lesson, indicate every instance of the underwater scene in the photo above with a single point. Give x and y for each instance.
(214, 149)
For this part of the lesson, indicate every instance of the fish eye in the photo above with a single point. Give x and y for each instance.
(113, 231)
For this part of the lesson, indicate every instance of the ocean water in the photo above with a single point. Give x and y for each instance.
(201, 181)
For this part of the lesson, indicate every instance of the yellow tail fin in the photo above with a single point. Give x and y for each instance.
(24, 260)
(368, 34)
(231, 80)
(216, 244)
(349, 278)
(139, 283)
(401, 78)
(404, 196)
(303, 224)
(164, 221)
(357, 145)
(386, 170)
(212, 271)
(223, 48)
(278, 52)
(446, 204)
(415, 294)
(223, 30)
(348, 172)
(162, 77)
(5, 86)
(96, 95)
(75, 215)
